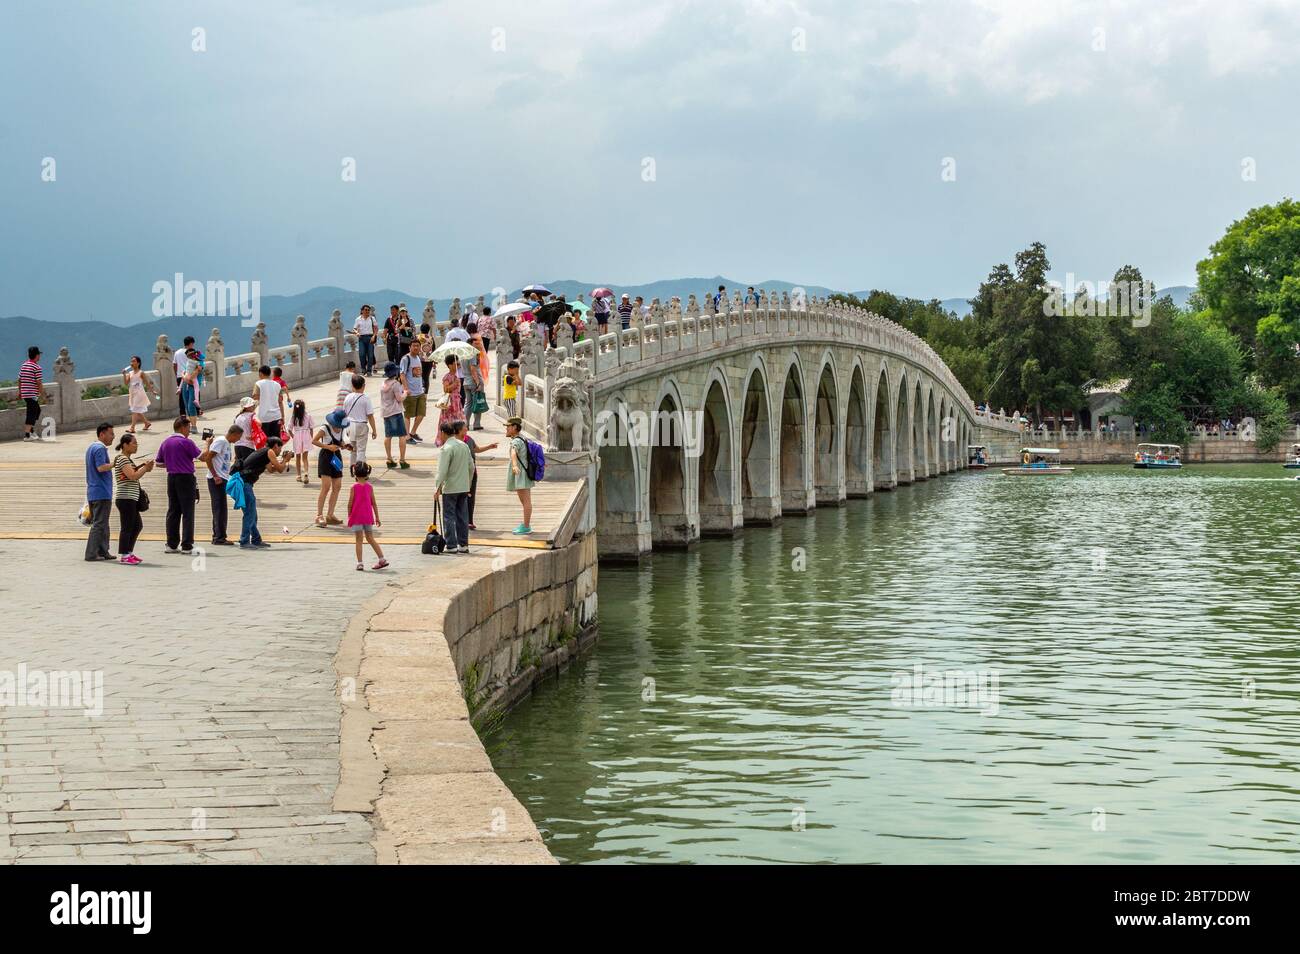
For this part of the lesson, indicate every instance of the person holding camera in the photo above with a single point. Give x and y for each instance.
(254, 466)
(128, 474)
(177, 455)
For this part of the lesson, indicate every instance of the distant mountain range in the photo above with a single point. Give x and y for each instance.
(98, 347)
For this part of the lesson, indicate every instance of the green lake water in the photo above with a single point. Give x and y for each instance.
(743, 702)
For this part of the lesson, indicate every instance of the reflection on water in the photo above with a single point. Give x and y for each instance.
(1141, 627)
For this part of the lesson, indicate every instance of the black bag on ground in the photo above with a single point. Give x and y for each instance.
(433, 541)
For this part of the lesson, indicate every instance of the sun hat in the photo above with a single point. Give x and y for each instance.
(247, 403)
(336, 418)
(390, 370)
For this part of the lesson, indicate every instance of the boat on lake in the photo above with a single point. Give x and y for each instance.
(1038, 462)
(1158, 457)
(976, 459)
(1293, 459)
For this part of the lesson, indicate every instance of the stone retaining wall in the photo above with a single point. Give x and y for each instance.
(425, 661)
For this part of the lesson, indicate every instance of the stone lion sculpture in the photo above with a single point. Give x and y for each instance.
(568, 425)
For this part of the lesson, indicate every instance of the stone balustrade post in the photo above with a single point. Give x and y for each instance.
(340, 340)
(65, 376)
(260, 344)
(298, 336)
(169, 403)
(214, 352)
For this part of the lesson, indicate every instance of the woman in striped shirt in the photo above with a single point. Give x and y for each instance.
(127, 474)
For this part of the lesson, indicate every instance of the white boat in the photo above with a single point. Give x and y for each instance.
(1038, 462)
(976, 459)
(1158, 457)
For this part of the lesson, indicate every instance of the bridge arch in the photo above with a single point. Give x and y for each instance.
(759, 496)
(714, 449)
(828, 441)
(903, 432)
(918, 433)
(624, 523)
(857, 436)
(932, 432)
(673, 522)
(795, 486)
(882, 441)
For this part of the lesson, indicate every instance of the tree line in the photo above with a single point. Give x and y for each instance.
(1232, 352)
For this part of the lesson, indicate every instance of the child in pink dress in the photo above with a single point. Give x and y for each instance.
(363, 513)
(301, 428)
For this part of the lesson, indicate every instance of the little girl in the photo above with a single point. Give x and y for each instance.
(301, 427)
(363, 513)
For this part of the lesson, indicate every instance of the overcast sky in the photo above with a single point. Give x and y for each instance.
(498, 143)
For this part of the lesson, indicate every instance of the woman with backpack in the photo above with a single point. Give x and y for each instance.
(517, 474)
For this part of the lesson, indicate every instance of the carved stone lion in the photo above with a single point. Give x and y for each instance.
(568, 425)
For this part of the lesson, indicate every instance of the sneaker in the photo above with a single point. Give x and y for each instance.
(129, 560)
(378, 566)
(462, 550)
(361, 566)
(414, 439)
(187, 551)
(171, 550)
(28, 436)
(521, 529)
(404, 465)
(223, 543)
(248, 546)
(261, 545)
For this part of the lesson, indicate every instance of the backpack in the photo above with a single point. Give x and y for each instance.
(535, 466)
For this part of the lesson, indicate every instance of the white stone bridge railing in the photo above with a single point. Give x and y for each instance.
(83, 402)
(671, 331)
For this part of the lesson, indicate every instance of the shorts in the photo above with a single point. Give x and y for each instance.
(362, 527)
(395, 426)
(33, 410)
(414, 405)
(325, 466)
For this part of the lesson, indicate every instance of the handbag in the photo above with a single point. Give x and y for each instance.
(443, 402)
(479, 404)
(143, 504)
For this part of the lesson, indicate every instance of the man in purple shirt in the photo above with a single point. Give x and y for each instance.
(177, 455)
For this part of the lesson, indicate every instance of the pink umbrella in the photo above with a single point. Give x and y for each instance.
(601, 293)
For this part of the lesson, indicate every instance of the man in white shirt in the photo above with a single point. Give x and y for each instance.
(345, 382)
(365, 329)
(270, 402)
(179, 358)
(360, 412)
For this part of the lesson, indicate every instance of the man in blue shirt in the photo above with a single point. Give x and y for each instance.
(99, 493)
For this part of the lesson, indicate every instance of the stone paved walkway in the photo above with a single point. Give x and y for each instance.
(219, 739)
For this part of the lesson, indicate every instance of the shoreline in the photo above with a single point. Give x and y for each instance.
(424, 659)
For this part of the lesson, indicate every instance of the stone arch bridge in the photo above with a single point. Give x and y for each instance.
(699, 423)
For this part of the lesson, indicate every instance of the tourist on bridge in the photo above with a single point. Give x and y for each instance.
(301, 428)
(363, 514)
(345, 382)
(512, 332)
(189, 386)
(179, 358)
(390, 334)
(517, 473)
(244, 421)
(177, 455)
(219, 464)
(138, 389)
(487, 328)
(455, 475)
(425, 340)
(392, 395)
(625, 311)
(270, 402)
(99, 493)
(32, 390)
(365, 329)
(599, 308)
(473, 481)
(415, 402)
(360, 411)
(450, 401)
(256, 464)
(329, 465)
(128, 473)
(405, 334)
(475, 381)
